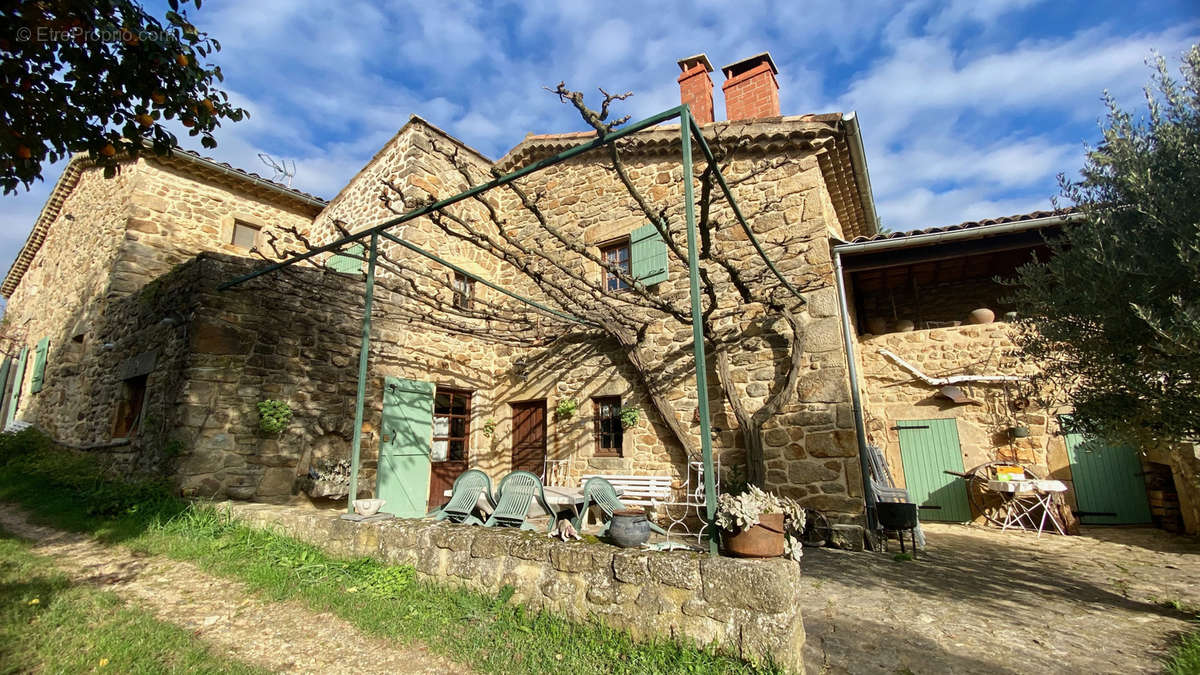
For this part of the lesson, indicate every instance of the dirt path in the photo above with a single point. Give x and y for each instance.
(981, 600)
(279, 636)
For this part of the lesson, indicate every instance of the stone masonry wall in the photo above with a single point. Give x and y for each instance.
(752, 607)
(892, 394)
(811, 450)
(101, 288)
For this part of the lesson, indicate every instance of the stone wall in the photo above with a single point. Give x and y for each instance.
(892, 394)
(811, 452)
(751, 607)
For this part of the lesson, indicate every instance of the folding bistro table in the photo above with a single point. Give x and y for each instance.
(1023, 499)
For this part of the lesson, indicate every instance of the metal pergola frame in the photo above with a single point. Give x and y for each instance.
(689, 133)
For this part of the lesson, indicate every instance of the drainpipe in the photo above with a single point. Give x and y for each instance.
(860, 427)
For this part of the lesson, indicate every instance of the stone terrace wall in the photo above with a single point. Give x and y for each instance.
(749, 606)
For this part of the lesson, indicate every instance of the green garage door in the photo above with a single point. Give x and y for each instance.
(405, 440)
(928, 449)
(1109, 487)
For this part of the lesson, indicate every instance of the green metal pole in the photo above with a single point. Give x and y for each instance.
(364, 352)
(689, 208)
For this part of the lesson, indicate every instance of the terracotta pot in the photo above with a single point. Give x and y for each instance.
(982, 315)
(629, 529)
(904, 326)
(764, 540)
(877, 326)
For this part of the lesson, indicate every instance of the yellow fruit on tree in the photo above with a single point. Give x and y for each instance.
(158, 97)
(108, 150)
(24, 152)
(181, 59)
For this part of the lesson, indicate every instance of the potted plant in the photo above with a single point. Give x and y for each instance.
(629, 416)
(273, 415)
(757, 524)
(566, 408)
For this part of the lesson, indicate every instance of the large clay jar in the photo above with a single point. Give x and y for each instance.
(982, 315)
(877, 326)
(764, 540)
(629, 529)
(904, 326)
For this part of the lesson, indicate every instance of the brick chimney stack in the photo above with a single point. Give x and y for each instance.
(750, 88)
(695, 87)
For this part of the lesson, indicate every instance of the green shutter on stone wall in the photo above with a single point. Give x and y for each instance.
(648, 255)
(18, 379)
(39, 365)
(349, 262)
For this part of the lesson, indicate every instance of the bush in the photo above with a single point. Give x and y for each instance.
(47, 470)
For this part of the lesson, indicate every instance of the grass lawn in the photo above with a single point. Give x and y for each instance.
(47, 624)
(482, 632)
(1185, 657)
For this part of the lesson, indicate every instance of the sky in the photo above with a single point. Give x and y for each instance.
(969, 109)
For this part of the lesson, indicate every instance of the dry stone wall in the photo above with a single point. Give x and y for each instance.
(751, 607)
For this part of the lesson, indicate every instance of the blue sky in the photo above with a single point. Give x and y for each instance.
(969, 109)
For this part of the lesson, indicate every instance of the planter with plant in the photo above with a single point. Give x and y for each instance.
(566, 408)
(629, 417)
(757, 524)
(273, 416)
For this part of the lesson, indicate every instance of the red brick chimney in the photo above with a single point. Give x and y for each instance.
(751, 90)
(695, 87)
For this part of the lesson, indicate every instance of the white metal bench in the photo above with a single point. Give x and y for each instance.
(637, 490)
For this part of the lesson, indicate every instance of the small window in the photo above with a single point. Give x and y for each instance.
(616, 255)
(129, 409)
(244, 235)
(610, 435)
(451, 425)
(464, 291)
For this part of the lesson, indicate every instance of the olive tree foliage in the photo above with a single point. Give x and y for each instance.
(101, 77)
(1113, 317)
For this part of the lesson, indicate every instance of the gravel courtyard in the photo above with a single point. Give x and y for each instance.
(980, 600)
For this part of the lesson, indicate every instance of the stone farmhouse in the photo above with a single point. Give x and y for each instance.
(119, 341)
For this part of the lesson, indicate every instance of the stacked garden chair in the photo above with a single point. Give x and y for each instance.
(514, 496)
(601, 493)
(464, 497)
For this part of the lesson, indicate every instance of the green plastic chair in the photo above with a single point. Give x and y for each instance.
(514, 495)
(464, 497)
(600, 492)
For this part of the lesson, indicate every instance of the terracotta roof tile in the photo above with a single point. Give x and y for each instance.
(970, 224)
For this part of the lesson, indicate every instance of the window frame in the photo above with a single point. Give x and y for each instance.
(464, 297)
(130, 407)
(606, 275)
(450, 417)
(233, 232)
(616, 432)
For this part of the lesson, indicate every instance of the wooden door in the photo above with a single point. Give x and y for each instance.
(405, 441)
(928, 449)
(1108, 481)
(529, 437)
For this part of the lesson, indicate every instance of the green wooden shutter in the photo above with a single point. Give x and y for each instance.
(405, 442)
(648, 255)
(18, 379)
(39, 365)
(346, 263)
(928, 449)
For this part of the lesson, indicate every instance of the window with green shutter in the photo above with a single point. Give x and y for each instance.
(39, 365)
(648, 255)
(349, 262)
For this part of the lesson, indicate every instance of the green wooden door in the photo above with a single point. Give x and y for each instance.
(1108, 482)
(406, 436)
(928, 449)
